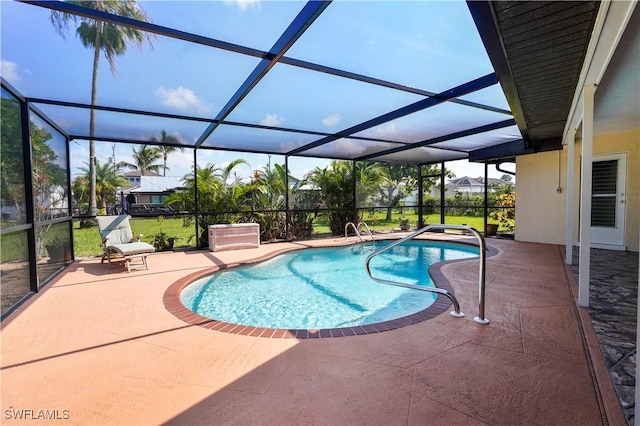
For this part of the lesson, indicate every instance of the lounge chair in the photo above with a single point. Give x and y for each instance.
(119, 241)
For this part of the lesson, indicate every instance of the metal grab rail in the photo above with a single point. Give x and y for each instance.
(355, 229)
(480, 319)
(367, 228)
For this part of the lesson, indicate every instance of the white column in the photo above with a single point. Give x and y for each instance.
(571, 152)
(585, 195)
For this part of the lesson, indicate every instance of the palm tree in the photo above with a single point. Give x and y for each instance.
(208, 184)
(267, 192)
(213, 185)
(144, 160)
(225, 173)
(218, 195)
(80, 190)
(108, 180)
(166, 149)
(274, 180)
(369, 176)
(336, 187)
(110, 39)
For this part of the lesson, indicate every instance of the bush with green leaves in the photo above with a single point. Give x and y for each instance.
(335, 183)
(505, 213)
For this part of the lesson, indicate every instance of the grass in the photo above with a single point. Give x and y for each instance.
(378, 223)
(87, 241)
(14, 246)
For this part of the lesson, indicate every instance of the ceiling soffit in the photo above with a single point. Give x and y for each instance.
(538, 49)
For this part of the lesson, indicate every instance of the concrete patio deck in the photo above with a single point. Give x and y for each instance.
(97, 346)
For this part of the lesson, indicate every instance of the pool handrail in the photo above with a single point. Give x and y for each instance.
(367, 228)
(480, 319)
(355, 229)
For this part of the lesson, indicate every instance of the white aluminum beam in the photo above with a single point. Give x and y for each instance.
(570, 140)
(586, 175)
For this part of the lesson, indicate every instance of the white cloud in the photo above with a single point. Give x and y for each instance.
(9, 71)
(244, 5)
(331, 120)
(182, 99)
(272, 120)
(387, 131)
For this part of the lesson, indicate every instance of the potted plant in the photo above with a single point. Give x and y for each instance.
(161, 241)
(404, 222)
(58, 250)
(492, 229)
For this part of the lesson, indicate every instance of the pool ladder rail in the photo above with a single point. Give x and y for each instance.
(355, 229)
(480, 319)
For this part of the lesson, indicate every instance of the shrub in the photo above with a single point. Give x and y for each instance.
(506, 215)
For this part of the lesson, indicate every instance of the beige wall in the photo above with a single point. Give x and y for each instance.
(541, 210)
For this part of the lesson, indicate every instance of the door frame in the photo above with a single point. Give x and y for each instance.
(617, 241)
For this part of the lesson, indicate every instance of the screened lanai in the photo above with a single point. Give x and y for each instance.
(295, 71)
(412, 83)
(418, 84)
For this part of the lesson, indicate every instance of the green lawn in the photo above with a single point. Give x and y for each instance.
(87, 240)
(378, 223)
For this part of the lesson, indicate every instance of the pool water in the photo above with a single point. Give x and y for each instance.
(323, 287)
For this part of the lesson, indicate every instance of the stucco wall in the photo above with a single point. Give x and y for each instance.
(541, 210)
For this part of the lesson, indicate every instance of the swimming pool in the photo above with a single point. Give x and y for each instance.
(322, 288)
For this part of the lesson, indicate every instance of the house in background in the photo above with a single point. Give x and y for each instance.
(154, 189)
(293, 181)
(134, 177)
(471, 186)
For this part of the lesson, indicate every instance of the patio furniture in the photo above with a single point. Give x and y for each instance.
(234, 236)
(119, 241)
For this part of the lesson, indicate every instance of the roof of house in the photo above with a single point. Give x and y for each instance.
(479, 181)
(158, 184)
(135, 173)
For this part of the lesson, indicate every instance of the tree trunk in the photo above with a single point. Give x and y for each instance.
(93, 209)
(389, 210)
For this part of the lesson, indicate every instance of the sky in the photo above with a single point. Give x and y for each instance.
(381, 39)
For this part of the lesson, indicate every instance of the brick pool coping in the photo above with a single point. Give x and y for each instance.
(174, 305)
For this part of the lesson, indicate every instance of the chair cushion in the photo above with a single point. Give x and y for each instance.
(132, 248)
(116, 228)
